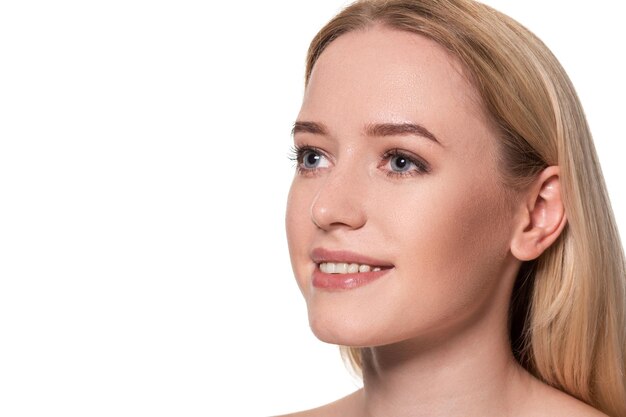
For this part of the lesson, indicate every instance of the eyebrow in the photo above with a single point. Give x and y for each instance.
(372, 129)
(309, 127)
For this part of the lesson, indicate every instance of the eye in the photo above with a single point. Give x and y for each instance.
(308, 159)
(400, 163)
(403, 164)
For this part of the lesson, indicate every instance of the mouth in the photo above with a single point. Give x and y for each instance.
(348, 268)
(342, 270)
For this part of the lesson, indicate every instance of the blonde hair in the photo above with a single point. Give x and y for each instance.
(567, 316)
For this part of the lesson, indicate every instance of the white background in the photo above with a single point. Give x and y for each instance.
(143, 177)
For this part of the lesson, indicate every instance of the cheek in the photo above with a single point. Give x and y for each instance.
(459, 224)
(297, 219)
(451, 247)
(299, 230)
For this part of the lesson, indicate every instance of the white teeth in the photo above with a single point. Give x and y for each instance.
(345, 268)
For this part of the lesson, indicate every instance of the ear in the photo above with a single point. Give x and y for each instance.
(540, 216)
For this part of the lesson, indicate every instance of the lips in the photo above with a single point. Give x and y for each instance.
(346, 281)
(320, 255)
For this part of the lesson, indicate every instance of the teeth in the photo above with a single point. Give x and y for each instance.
(345, 268)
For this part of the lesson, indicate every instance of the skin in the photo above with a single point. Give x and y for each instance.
(436, 324)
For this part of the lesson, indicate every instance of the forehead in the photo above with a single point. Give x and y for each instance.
(384, 75)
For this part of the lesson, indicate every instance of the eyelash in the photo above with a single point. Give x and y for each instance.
(421, 167)
(297, 155)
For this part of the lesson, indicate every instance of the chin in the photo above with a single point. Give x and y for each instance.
(346, 331)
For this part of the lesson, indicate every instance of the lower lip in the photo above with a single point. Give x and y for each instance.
(345, 281)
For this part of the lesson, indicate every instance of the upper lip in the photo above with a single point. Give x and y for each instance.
(321, 255)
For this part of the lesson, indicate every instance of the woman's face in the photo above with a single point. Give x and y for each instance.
(397, 171)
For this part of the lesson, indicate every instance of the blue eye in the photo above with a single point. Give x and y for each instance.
(310, 159)
(400, 163)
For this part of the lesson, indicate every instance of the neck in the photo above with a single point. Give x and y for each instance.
(470, 374)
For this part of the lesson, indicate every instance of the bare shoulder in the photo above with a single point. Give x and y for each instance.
(314, 412)
(551, 402)
(343, 407)
(546, 401)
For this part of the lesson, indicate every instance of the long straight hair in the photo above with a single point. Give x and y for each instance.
(567, 314)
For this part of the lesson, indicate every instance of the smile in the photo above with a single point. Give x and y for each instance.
(346, 268)
(339, 280)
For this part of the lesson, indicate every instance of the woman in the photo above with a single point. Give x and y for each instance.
(449, 225)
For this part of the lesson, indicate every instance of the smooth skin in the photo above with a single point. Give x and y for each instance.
(436, 324)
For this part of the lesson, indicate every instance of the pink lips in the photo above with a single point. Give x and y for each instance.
(345, 281)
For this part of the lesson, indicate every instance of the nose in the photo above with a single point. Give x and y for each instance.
(340, 201)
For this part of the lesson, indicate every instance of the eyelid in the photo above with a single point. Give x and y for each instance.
(297, 154)
(421, 166)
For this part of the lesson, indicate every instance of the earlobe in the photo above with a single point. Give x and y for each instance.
(541, 216)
